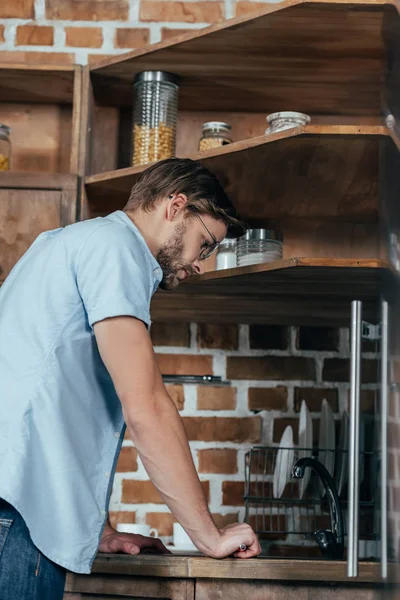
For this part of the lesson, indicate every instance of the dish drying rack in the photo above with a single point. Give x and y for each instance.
(284, 524)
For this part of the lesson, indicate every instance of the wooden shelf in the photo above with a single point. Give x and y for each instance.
(317, 57)
(312, 157)
(300, 291)
(44, 84)
(37, 181)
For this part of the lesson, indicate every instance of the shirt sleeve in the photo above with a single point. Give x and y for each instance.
(112, 276)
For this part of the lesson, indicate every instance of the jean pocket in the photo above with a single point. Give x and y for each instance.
(5, 526)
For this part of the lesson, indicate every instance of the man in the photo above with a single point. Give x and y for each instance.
(77, 363)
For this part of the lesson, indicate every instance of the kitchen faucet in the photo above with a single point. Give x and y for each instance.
(330, 541)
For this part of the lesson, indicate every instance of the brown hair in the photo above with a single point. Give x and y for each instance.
(204, 192)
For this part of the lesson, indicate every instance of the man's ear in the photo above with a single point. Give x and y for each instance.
(175, 206)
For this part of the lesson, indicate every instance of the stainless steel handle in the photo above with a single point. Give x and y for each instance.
(354, 446)
(384, 441)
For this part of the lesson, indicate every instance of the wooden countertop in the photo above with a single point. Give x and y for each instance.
(198, 566)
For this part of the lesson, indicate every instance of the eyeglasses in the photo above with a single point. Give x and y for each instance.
(211, 248)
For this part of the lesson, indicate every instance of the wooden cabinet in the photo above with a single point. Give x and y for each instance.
(30, 204)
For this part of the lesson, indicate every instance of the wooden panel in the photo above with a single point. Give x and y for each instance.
(132, 587)
(20, 225)
(40, 136)
(319, 58)
(237, 590)
(36, 84)
(302, 173)
(76, 120)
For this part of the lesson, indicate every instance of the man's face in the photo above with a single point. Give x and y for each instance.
(179, 258)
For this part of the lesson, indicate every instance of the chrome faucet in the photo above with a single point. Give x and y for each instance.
(330, 541)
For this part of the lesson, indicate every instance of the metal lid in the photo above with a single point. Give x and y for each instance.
(216, 125)
(256, 235)
(161, 76)
(228, 243)
(5, 129)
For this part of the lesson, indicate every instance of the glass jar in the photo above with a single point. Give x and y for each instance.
(280, 121)
(155, 112)
(5, 148)
(215, 134)
(226, 256)
(259, 246)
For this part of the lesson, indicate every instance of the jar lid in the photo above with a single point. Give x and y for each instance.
(5, 129)
(302, 118)
(216, 125)
(261, 235)
(161, 76)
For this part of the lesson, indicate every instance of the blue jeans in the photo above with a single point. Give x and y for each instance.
(25, 573)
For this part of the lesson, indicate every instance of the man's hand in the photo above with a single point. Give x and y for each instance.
(232, 536)
(130, 543)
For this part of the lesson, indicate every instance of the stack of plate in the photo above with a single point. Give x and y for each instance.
(258, 246)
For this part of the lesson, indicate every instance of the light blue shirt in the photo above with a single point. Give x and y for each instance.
(61, 422)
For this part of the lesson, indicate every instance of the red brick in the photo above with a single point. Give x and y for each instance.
(185, 364)
(243, 8)
(122, 516)
(218, 460)
(223, 429)
(136, 38)
(168, 33)
(144, 492)
(84, 37)
(216, 398)
(127, 461)
(38, 58)
(338, 369)
(177, 395)
(233, 492)
(88, 10)
(2, 39)
(163, 522)
(268, 398)
(34, 35)
(268, 337)
(314, 397)
(181, 12)
(215, 336)
(17, 9)
(367, 401)
(318, 338)
(280, 426)
(222, 521)
(270, 367)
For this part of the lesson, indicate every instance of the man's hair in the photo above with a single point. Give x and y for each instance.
(204, 192)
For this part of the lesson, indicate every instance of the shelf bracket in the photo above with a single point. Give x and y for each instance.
(370, 332)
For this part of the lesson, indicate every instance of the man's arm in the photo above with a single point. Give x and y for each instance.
(157, 431)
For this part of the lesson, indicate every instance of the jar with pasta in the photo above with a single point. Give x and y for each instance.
(155, 111)
(215, 134)
(5, 147)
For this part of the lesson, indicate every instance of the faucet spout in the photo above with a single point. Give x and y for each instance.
(330, 542)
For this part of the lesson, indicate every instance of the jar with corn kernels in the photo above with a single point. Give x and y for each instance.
(5, 147)
(155, 111)
(215, 134)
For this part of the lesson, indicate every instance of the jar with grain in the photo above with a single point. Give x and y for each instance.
(155, 111)
(5, 147)
(215, 134)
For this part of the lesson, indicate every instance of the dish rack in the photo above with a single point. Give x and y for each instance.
(284, 524)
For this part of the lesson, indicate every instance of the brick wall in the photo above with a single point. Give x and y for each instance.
(66, 31)
(271, 369)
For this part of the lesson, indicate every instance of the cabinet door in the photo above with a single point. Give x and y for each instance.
(116, 587)
(23, 215)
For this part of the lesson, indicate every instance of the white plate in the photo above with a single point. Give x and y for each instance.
(305, 444)
(326, 440)
(342, 466)
(284, 462)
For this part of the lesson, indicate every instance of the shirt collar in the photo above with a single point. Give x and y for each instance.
(121, 216)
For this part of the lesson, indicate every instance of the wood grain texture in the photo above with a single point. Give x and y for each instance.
(203, 567)
(76, 120)
(330, 53)
(134, 587)
(43, 84)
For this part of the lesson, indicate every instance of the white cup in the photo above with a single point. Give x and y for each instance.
(181, 538)
(139, 528)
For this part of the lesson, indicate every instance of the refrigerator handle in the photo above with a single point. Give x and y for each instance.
(354, 445)
(384, 440)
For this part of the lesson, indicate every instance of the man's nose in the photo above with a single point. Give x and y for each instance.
(198, 267)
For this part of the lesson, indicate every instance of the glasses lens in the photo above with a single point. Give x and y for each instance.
(206, 252)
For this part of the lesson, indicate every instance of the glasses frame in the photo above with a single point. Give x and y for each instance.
(211, 248)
